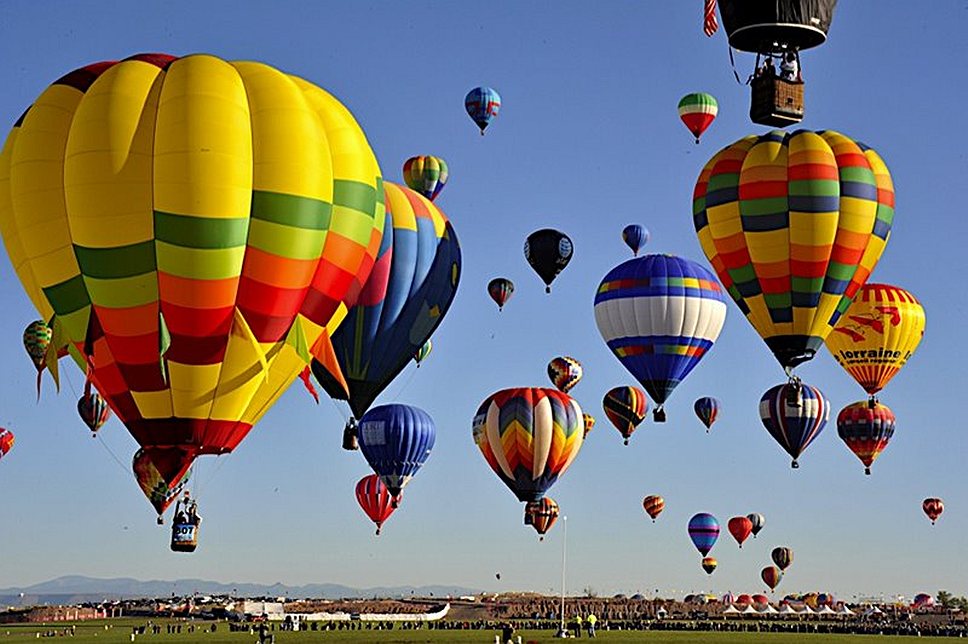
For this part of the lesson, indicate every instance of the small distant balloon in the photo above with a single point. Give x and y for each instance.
(653, 505)
(93, 410)
(704, 531)
(771, 576)
(589, 423)
(626, 408)
(635, 237)
(740, 528)
(794, 413)
(758, 521)
(707, 409)
(697, 111)
(548, 251)
(423, 352)
(782, 557)
(482, 105)
(500, 289)
(6, 441)
(709, 564)
(426, 175)
(564, 372)
(933, 507)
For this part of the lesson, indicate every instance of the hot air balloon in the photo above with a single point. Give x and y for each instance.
(782, 28)
(500, 289)
(626, 408)
(161, 474)
(425, 175)
(760, 600)
(782, 557)
(423, 351)
(744, 600)
(541, 515)
(707, 409)
(923, 600)
(697, 112)
(589, 422)
(866, 430)
(6, 441)
(529, 437)
(548, 251)
(482, 105)
(185, 254)
(771, 576)
(375, 500)
(740, 528)
(703, 530)
(635, 237)
(93, 410)
(653, 505)
(659, 314)
(396, 441)
(564, 373)
(933, 507)
(793, 224)
(794, 413)
(413, 284)
(709, 564)
(758, 521)
(877, 334)
(37, 338)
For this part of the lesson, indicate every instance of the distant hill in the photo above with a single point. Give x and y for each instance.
(77, 588)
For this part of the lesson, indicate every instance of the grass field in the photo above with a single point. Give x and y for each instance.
(120, 631)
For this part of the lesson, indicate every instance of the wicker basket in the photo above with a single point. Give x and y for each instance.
(776, 102)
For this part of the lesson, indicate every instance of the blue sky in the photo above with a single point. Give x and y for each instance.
(587, 141)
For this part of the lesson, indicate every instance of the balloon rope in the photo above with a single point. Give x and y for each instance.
(197, 486)
(403, 388)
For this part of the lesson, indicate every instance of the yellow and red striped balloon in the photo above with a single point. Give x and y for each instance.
(793, 224)
(194, 228)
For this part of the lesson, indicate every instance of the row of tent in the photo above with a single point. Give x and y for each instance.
(787, 609)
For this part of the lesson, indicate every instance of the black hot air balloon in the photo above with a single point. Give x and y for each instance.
(548, 251)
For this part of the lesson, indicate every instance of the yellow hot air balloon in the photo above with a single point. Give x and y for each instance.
(878, 333)
(794, 224)
(193, 228)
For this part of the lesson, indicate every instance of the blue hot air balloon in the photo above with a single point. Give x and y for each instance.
(396, 440)
(482, 105)
(406, 297)
(659, 314)
(794, 413)
(635, 237)
(707, 409)
(703, 530)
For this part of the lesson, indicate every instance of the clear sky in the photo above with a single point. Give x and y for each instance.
(588, 140)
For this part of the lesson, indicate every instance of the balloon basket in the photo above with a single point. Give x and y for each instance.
(795, 465)
(659, 415)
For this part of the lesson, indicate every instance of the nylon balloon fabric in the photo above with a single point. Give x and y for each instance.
(794, 414)
(866, 428)
(529, 437)
(396, 441)
(204, 225)
(794, 224)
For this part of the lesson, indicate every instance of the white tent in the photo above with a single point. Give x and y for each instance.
(769, 610)
(844, 610)
(788, 610)
(749, 610)
(826, 610)
(807, 610)
(732, 610)
(873, 610)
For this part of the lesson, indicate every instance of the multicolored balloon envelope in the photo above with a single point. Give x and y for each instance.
(589, 422)
(758, 521)
(697, 112)
(529, 436)
(204, 224)
(782, 557)
(659, 314)
(375, 500)
(626, 408)
(866, 427)
(93, 410)
(703, 530)
(771, 576)
(6, 441)
(548, 252)
(793, 224)
(425, 175)
(396, 440)
(707, 409)
(500, 289)
(161, 474)
(923, 600)
(653, 505)
(877, 334)
(541, 515)
(423, 351)
(482, 105)
(709, 564)
(635, 237)
(794, 413)
(933, 507)
(564, 372)
(740, 528)
(37, 338)
(406, 298)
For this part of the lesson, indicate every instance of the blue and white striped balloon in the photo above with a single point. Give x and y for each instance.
(660, 314)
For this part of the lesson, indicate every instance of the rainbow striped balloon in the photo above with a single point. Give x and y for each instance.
(698, 111)
(794, 224)
(194, 227)
(529, 437)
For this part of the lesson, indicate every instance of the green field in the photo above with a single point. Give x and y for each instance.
(120, 631)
